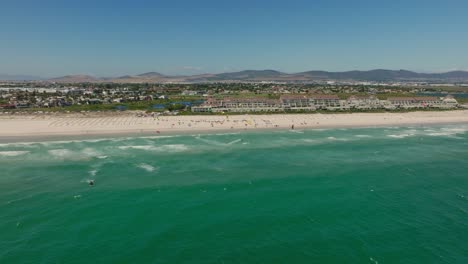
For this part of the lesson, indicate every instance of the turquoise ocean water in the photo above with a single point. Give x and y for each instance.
(365, 195)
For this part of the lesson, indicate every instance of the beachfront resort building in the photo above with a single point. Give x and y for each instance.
(251, 105)
(311, 102)
(326, 101)
(229, 104)
(415, 102)
(297, 102)
(449, 102)
(363, 102)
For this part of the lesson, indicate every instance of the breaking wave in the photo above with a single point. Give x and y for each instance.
(13, 153)
(163, 148)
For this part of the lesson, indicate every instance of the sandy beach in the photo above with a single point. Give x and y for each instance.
(43, 125)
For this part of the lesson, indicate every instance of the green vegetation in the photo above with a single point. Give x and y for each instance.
(384, 96)
(170, 105)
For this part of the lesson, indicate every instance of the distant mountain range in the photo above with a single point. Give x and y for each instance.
(267, 75)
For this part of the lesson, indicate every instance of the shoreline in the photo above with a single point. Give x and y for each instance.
(47, 128)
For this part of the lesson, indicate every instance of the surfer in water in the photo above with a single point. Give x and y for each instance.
(91, 182)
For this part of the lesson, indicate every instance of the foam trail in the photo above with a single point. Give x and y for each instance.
(234, 141)
(210, 142)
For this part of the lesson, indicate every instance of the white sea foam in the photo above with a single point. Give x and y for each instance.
(146, 167)
(19, 144)
(440, 134)
(363, 136)
(90, 152)
(337, 139)
(162, 148)
(216, 134)
(173, 148)
(93, 172)
(61, 153)
(62, 142)
(152, 137)
(296, 131)
(234, 141)
(400, 135)
(211, 142)
(13, 153)
(144, 147)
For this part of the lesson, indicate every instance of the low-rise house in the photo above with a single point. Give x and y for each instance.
(22, 104)
(7, 106)
(94, 101)
(189, 92)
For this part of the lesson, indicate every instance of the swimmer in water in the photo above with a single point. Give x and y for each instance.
(91, 182)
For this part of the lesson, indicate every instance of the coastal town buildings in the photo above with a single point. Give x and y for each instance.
(303, 102)
(228, 97)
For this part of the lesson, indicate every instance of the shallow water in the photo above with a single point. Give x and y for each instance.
(367, 195)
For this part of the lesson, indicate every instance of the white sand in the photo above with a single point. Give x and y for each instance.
(110, 124)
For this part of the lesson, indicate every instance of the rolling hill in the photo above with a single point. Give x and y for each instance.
(272, 75)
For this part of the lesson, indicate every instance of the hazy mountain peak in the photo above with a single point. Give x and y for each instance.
(151, 74)
(271, 75)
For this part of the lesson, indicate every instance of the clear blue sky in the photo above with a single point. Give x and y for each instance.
(110, 38)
